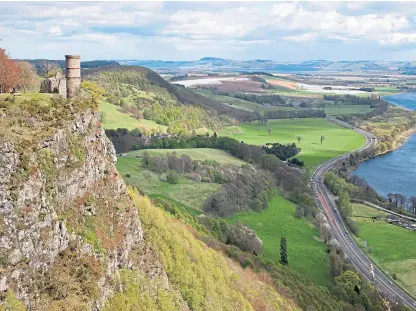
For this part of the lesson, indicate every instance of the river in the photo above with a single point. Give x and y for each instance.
(395, 171)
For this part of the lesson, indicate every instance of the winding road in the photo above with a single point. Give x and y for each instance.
(327, 203)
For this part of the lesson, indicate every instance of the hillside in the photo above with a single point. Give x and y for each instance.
(73, 237)
(145, 95)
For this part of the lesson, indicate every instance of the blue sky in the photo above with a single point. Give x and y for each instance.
(281, 31)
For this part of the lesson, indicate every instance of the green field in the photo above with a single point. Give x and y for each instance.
(387, 90)
(361, 210)
(113, 119)
(335, 110)
(391, 247)
(240, 103)
(338, 141)
(187, 192)
(306, 253)
(200, 154)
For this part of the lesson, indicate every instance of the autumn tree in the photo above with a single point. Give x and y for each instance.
(28, 77)
(283, 252)
(9, 72)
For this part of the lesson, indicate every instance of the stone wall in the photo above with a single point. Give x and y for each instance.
(55, 85)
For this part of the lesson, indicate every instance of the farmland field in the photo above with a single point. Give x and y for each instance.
(390, 246)
(306, 253)
(292, 85)
(196, 154)
(240, 103)
(113, 119)
(187, 192)
(338, 140)
(334, 110)
(361, 210)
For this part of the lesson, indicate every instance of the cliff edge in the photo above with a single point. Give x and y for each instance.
(67, 225)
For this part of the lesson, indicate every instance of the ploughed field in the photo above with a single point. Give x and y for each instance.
(338, 140)
(306, 253)
(391, 247)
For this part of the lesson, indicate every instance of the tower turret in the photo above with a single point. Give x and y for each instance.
(73, 75)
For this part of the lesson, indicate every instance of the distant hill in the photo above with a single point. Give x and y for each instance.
(136, 88)
(38, 63)
(215, 64)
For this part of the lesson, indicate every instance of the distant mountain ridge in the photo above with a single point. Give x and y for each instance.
(38, 63)
(216, 64)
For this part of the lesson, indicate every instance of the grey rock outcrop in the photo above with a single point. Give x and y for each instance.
(51, 197)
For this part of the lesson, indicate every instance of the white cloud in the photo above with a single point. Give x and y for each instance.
(302, 38)
(230, 23)
(200, 29)
(398, 39)
(55, 31)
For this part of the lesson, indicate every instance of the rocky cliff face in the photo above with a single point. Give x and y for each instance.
(67, 225)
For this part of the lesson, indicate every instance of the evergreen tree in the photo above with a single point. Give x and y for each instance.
(283, 252)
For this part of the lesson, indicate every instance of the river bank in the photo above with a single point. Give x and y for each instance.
(393, 170)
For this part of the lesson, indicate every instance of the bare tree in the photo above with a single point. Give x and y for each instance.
(49, 68)
(28, 77)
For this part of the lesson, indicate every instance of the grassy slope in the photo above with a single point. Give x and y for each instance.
(307, 255)
(346, 109)
(338, 139)
(391, 247)
(116, 119)
(187, 192)
(205, 278)
(197, 154)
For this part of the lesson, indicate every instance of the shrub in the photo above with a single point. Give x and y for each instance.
(128, 175)
(172, 177)
(206, 179)
(163, 177)
(196, 177)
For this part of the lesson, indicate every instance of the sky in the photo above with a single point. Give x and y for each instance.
(280, 31)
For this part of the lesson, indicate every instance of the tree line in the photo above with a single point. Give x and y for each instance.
(264, 100)
(293, 114)
(354, 100)
(241, 150)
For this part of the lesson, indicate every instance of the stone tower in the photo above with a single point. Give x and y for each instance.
(73, 75)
